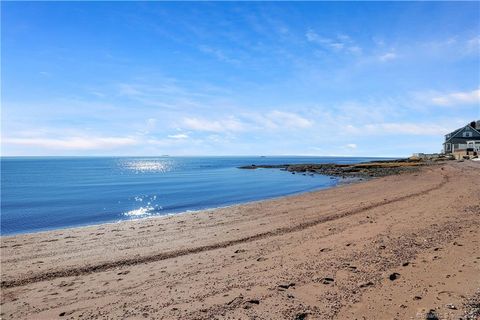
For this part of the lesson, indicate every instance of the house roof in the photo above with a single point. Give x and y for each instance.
(454, 133)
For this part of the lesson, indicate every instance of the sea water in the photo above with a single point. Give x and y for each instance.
(45, 193)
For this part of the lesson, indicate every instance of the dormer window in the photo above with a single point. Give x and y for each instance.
(467, 134)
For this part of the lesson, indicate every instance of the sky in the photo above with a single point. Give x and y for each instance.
(236, 78)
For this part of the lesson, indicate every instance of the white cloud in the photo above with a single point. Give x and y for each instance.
(151, 123)
(73, 143)
(388, 56)
(402, 128)
(129, 90)
(355, 49)
(222, 125)
(218, 54)
(281, 119)
(178, 136)
(457, 98)
(273, 120)
(351, 146)
(473, 44)
(339, 43)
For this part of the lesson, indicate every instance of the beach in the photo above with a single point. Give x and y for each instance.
(403, 246)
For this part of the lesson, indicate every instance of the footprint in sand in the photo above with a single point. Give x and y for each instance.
(123, 272)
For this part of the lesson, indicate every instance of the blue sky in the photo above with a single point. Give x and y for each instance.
(153, 78)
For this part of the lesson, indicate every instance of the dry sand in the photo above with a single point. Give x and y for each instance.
(391, 248)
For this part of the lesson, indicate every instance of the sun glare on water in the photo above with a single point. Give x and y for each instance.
(147, 165)
(148, 209)
(140, 212)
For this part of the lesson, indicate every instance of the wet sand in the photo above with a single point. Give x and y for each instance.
(398, 247)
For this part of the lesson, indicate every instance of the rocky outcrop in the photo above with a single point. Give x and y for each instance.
(366, 169)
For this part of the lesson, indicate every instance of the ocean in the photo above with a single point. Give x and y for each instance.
(45, 193)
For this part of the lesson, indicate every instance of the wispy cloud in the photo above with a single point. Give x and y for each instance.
(339, 43)
(282, 119)
(273, 120)
(398, 128)
(73, 143)
(220, 125)
(388, 56)
(166, 93)
(473, 44)
(218, 54)
(457, 98)
(178, 136)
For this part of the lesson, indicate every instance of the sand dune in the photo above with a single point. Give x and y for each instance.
(398, 247)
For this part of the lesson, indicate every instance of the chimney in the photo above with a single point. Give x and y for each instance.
(473, 124)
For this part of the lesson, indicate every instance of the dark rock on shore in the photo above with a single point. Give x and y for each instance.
(364, 170)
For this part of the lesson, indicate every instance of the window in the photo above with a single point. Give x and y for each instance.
(467, 134)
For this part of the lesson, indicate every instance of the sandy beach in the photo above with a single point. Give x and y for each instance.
(398, 247)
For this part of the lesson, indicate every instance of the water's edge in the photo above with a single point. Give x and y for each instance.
(340, 183)
(45, 194)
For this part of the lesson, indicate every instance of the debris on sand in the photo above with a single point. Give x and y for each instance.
(472, 308)
(286, 285)
(431, 315)
(394, 276)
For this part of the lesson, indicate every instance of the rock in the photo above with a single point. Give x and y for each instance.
(352, 268)
(431, 315)
(451, 306)
(327, 280)
(235, 301)
(405, 264)
(417, 298)
(366, 284)
(394, 276)
(253, 301)
(286, 285)
(301, 316)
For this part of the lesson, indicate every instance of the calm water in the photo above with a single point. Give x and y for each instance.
(50, 193)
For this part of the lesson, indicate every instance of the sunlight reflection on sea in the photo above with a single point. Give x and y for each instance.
(160, 165)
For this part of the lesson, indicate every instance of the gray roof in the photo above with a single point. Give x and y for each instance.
(454, 136)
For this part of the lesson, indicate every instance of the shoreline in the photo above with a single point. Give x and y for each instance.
(340, 182)
(326, 254)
